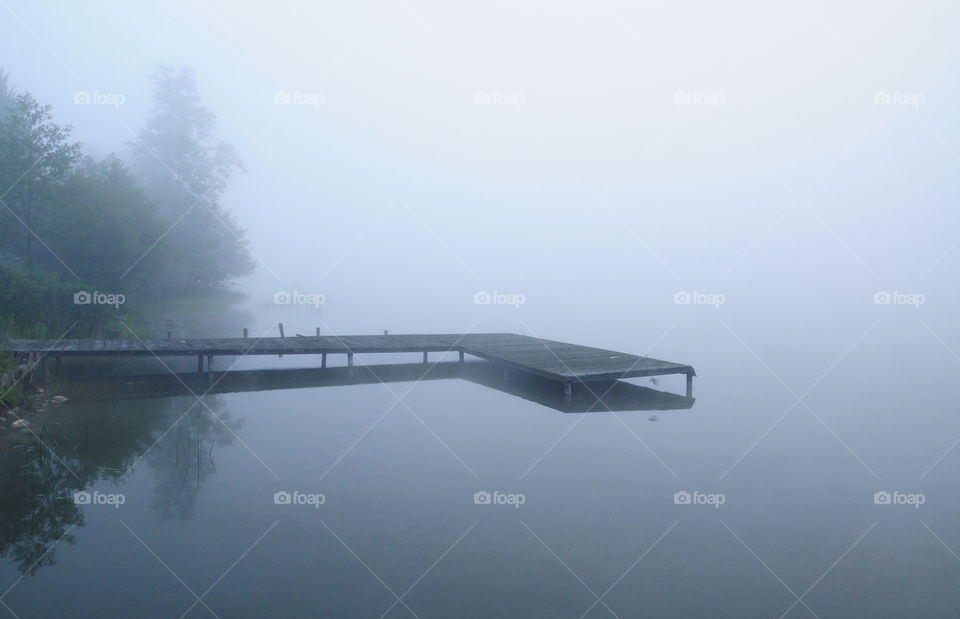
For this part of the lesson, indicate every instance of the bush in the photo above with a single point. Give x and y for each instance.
(35, 306)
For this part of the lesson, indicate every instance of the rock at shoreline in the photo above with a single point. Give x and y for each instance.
(58, 399)
(20, 423)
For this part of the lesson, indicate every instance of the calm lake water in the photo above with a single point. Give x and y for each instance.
(383, 516)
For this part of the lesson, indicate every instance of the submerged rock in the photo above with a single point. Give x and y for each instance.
(20, 423)
(58, 399)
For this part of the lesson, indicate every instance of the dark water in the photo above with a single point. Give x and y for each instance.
(599, 532)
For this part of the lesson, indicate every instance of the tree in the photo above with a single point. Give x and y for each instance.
(36, 158)
(185, 170)
(104, 227)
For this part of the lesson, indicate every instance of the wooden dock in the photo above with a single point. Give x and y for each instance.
(567, 364)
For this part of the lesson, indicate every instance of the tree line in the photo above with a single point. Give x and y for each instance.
(149, 226)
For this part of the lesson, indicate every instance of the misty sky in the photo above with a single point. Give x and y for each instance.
(597, 157)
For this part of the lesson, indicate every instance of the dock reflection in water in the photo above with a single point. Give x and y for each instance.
(594, 396)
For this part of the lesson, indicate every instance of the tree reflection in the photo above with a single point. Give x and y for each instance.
(184, 459)
(35, 514)
(83, 444)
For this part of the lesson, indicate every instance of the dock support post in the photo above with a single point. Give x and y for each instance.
(424, 356)
(689, 384)
(461, 356)
(199, 364)
(281, 329)
(244, 333)
(349, 359)
(168, 336)
(209, 363)
(323, 360)
(567, 389)
(318, 331)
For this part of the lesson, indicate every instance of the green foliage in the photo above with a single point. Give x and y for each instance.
(186, 170)
(37, 306)
(36, 158)
(69, 223)
(104, 227)
(11, 397)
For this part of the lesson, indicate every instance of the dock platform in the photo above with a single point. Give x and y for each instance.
(564, 363)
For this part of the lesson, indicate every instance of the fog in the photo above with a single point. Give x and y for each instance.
(764, 191)
(593, 189)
